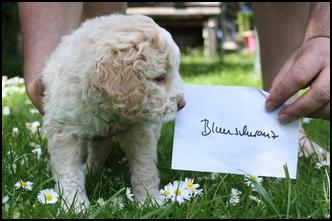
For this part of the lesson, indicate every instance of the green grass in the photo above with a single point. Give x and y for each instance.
(306, 197)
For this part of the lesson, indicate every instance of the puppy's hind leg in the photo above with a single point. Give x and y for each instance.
(98, 153)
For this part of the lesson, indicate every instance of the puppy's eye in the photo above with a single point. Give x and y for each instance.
(160, 78)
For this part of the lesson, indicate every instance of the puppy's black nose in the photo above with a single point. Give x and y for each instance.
(181, 104)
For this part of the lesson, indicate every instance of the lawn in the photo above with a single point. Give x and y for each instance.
(306, 197)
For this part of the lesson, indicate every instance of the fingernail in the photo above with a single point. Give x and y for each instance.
(269, 106)
(283, 118)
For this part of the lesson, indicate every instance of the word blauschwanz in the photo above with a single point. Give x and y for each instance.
(227, 129)
(236, 132)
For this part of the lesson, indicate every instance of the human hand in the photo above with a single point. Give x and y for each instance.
(308, 66)
(35, 91)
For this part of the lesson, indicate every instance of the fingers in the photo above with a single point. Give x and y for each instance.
(284, 70)
(299, 75)
(323, 113)
(313, 100)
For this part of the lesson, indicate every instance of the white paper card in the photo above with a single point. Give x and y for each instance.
(227, 129)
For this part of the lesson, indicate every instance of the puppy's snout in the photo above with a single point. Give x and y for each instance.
(181, 104)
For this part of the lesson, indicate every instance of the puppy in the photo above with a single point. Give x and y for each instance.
(115, 75)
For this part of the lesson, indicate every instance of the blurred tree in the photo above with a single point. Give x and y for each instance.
(11, 41)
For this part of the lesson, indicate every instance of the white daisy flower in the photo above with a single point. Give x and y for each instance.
(15, 131)
(6, 111)
(48, 196)
(34, 111)
(214, 176)
(254, 198)
(322, 164)
(249, 179)
(5, 199)
(180, 192)
(33, 127)
(234, 200)
(24, 185)
(235, 196)
(198, 192)
(117, 202)
(167, 193)
(189, 183)
(37, 151)
(129, 194)
(235, 192)
(100, 201)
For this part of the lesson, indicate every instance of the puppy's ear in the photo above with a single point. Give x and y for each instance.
(117, 76)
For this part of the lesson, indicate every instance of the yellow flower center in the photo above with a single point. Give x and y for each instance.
(48, 197)
(190, 185)
(254, 178)
(24, 184)
(165, 193)
(178, 192)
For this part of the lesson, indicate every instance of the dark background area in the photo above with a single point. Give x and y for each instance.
(187, 33)
(12, 56)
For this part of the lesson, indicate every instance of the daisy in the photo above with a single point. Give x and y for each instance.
(34, 111)
(15, 131)
(234, 200)
(6, 111)
(235, 192)
(100, 201)
(129, 194)
(33, 127)
(116, 202)
(322, 164)
(189, 183)
(48, 196)
(214, 176)
(167, 193)
(254, 199)
(235, 196)
(24, 185)
(180, 192)
(37, 151)
(249, 179)
(198, 192)
(5, 199)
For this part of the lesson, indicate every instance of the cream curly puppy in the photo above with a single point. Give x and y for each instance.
(117, 75)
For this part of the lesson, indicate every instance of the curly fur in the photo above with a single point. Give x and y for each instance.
(103, 79)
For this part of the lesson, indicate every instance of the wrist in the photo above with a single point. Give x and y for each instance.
(319, 21)
(317, 36)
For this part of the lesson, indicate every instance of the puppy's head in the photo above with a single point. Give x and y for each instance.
(138, 70)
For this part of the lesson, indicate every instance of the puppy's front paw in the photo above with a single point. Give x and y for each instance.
(148, 198)
(77, 201)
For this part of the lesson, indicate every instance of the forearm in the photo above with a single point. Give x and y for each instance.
(43, 25)
(319, 20)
